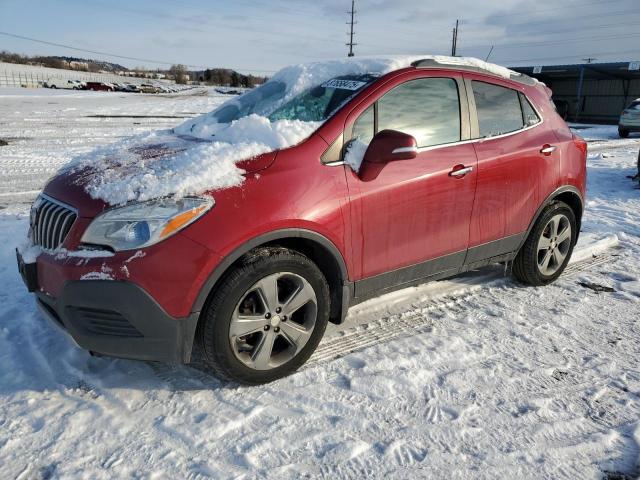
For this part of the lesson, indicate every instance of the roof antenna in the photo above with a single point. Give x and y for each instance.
(489, 54)
(454, 40)
(352, 23)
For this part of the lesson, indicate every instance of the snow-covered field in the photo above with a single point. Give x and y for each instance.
(475, 377)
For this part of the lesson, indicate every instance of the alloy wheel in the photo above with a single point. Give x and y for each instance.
(273, 321)
(554, 244)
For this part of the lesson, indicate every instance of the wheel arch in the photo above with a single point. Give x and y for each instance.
(322, 251)
(567, 194)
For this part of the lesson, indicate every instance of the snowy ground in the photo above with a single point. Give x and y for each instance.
(476, 377)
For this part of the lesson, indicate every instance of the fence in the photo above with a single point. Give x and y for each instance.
(29, 76)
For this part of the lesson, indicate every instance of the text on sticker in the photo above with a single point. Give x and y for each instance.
(344, 84)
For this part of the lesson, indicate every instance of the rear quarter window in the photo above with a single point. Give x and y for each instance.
(498, 109)
(529, 114)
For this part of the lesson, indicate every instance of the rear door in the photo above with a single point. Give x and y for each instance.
(517, 166)
(414, 210)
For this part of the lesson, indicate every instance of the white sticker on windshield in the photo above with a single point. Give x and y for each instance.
(344, 84)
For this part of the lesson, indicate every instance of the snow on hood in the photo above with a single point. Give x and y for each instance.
(161, 164)
(164, 163)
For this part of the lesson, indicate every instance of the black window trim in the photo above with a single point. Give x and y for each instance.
(475, 128)
(463, 101)
(523, 98)
(334, 155)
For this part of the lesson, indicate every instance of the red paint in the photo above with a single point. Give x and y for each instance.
(400, 213)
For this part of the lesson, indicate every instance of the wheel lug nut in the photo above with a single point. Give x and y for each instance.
(277, 329)
(284, 318)
(268, 315)
(278, 310)
(266, 327)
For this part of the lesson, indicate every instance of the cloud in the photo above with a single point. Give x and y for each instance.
(268, 34)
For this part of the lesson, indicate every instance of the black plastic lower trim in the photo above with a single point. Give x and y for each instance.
(498, 251)
(493, 249)
(403, 277)
(120, 319)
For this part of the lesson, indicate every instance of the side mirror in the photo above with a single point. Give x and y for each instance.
(391, 145)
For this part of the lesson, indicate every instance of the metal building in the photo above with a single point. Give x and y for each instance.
(590, 92)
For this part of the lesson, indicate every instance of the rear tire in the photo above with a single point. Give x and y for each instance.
(242, 320)
(623, 133)
(548, 248)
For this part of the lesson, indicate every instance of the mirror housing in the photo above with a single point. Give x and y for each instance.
(391, 145)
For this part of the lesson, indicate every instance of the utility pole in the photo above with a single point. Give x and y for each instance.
(351, 32)
(454, 40)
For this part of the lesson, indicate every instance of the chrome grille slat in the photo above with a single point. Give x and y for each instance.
(51, 222)
(70, 217)
(42, 223)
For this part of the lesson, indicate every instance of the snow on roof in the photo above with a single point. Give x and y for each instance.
(119, 174)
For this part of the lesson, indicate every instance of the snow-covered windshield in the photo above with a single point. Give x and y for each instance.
(316, 104)
(322, 101)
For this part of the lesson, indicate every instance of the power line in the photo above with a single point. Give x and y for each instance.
(507, 45)
(124, 57)
(411, 31)
(560, 41)
(578, 55)
(531, 12)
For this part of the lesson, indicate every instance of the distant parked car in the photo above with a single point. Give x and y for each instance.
(123, 87)
(100, 86)
(148, 88)
(80, 84)
(62, 83)
(630, 119)
(130, 87)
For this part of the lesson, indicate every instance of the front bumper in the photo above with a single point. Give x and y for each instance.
(119, 319)
(630, 125)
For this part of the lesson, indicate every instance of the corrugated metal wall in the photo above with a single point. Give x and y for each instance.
(602, 100)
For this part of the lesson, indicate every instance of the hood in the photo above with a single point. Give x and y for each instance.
(136, 161)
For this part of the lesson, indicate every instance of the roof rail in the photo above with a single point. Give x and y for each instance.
(461, 65)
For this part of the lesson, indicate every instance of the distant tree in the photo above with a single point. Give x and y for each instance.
(236, 80)
(179, 73)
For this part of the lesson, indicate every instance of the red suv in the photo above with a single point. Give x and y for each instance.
(416, 174)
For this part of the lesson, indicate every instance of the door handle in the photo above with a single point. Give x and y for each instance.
(548, 149)
(460, 171)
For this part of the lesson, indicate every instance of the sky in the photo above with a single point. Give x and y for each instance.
(261, 36)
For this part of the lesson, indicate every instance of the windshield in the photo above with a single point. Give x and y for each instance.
(319, 103)
(634, 105)
(314, 105)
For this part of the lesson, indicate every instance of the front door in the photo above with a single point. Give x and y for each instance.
(413, 218)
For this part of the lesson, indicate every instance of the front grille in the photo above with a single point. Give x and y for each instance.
(102, 322)
(51, 221)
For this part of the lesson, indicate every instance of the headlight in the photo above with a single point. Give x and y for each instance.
(142, 224)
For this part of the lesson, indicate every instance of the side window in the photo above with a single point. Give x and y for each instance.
(528, 113)
(498, 109)
(428, 109)
(363, 128)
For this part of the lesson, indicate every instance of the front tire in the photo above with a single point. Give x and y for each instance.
(548, 248)
(265, 318)
(623, 133)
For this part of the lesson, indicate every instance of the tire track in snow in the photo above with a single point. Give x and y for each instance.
(368, 335)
